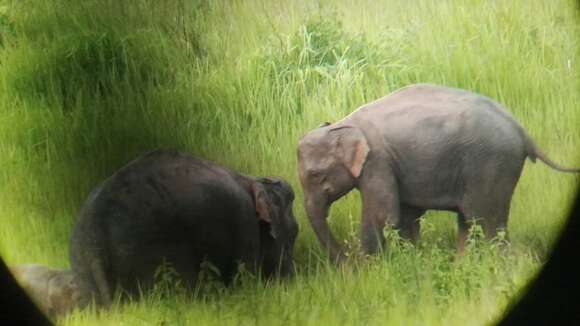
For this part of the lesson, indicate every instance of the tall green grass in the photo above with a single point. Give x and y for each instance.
(87, 86)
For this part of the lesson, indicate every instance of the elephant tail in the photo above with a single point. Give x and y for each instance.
(534, 153)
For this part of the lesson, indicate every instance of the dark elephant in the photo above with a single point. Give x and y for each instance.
(168, 207)
(420, 147)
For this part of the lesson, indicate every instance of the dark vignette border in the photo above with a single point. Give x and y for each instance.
(552, 298)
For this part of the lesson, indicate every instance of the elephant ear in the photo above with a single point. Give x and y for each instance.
(261, 201)
(352, 148)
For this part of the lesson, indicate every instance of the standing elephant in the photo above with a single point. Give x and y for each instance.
(421, 147)
(168, 207)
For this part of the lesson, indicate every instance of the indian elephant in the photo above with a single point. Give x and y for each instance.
(169, 207)
(54, 291)
(421, 147)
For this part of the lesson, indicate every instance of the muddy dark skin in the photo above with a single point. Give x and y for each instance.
(421, 147)
(173, 208)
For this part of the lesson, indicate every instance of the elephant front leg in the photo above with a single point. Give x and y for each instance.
(371, 235)
(380, 207)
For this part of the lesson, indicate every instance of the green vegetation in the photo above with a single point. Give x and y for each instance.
(87, 86)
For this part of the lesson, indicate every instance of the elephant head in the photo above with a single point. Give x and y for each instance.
(63, 293)
(273, 198)
(330, 162)
(56, 292)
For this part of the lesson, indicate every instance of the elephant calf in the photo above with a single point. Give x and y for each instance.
(421, 147)
(55, 292)
(168, 207)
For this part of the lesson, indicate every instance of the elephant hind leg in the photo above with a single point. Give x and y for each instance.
(491, 224)
(490, 211)
(463, 226)
(409, 223)
(488, 195)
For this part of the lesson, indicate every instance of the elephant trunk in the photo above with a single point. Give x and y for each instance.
(317, 210)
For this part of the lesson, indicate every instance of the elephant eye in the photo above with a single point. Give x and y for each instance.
(318, 176)
(314, 173)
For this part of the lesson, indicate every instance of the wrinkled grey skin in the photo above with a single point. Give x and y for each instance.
(55, 292)
(420, 147)
(171, 207)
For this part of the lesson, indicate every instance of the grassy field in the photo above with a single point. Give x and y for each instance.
(85, 87)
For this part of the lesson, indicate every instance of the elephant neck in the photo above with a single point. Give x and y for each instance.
(373, 136)
(381, 152)
(245, 181)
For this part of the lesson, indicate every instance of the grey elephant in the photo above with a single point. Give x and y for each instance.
(54, 291)
(421, 147)
(169, 207)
